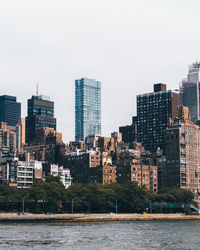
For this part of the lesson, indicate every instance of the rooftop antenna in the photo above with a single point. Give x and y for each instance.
(36, 89)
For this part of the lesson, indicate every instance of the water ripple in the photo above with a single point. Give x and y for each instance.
(166, 235)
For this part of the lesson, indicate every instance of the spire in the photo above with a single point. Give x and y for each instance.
(36, 89)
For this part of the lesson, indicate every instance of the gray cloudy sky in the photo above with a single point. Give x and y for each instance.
(128, 45)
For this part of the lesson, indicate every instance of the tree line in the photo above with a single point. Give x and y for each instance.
(52, 197)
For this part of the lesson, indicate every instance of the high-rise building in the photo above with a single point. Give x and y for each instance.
(10, 111)
(40, 115)
(87, 108)
(154, 111)
(182, 153)
(190, 94)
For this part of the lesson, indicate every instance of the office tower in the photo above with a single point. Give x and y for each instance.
(21, 133)
(40, 115)
(87, 108)
(189, 92)
(154, 111)
(10, 111)
(129, 132)
(182, 153)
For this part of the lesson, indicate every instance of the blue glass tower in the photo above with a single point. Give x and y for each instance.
(87, 108)
(10, 111)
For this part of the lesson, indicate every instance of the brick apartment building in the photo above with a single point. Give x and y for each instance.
(142, 174)
(104, 174)
(183, 153)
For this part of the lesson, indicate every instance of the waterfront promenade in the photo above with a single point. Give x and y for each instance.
(14, 217)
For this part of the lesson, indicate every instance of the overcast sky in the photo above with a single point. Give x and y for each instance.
(128, 45)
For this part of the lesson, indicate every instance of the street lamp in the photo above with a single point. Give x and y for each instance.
(23, 199)
(72, 206)
(89, 207)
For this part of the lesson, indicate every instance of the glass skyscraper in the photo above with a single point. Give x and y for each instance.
(87, 108)
(10, 111)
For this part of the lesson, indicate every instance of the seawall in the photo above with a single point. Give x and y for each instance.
(13, 217)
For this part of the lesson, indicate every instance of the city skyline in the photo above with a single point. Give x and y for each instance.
(100, 124)
(128, 119)
(127, 54)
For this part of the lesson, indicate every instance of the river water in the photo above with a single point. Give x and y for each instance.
(132, 235)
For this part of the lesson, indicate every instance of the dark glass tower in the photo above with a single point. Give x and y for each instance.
(10, 111)
(87, 108)
(40, 115)
(154, 111)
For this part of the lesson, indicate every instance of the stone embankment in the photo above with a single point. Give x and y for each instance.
(12, 217)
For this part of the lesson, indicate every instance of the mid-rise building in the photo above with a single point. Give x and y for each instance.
(154, 110)
(8, 165)
(129, 132)
(143, 174)
(117, 136)
(91, 141)
(24, 174)
(48, 146)
(63, 173)
(87, 108)
(74, 145)
(104, 174)
(10, 111)
(189, 92)
(7, 137)
(106, 143)
(37, 171)
(19, 174)
(65, 177)
(79, 164)
(40, 115)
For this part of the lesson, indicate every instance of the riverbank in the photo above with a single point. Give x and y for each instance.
(14, 217)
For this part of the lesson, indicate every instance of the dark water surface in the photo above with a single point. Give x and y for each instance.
(134, 235)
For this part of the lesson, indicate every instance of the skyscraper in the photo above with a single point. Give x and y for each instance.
(10, 111)
(87, 108)
(40, 115)
(190, 91)
(154, 111)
